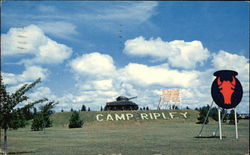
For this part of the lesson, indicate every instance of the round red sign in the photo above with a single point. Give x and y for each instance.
(226, 89)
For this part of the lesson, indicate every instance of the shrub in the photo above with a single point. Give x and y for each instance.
(18, 120)
(75, 121)
(44, 114)
(214, 113)
(231, 117)
(38, 122)
(83, 108)
(202, 115)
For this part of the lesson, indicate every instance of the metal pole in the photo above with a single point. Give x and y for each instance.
(206, 118)
(215, 133)
(219, 122)
(159, 104)
(236, 127)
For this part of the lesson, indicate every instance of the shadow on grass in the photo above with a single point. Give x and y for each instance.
(21, 152)
(209, 137)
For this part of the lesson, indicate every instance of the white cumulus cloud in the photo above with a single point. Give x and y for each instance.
(94, 64)
(22, 40)
(30, 73)
(178, 52)
(158, 75)
(225, 60)
(97, 85)
(103, 84)
(41, 92)
(32, 40)
(52, 52)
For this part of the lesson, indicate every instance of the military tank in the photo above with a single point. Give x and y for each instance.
(121, 103)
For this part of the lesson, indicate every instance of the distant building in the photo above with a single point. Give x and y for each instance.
(244, 116)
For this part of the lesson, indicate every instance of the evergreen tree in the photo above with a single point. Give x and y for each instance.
(176, 107)
(9, 102)
(34, 111)
(83, 108)
(214, 113)
(101, 108)
(62, 110)
(44, 114)
(46, 111)
(173, 106)
(147, 108)
(28, 114)
(75, 121)
(187, 107)
(89, 109)
(202, 115)
(38, 122)
(224, 112)
(71, 110)
(231, 117)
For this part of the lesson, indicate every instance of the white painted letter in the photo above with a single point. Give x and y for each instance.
(109, 118)
(151, 116)
(117, 117)
(144, 116)
(171, 114)
(184, 114)
(129, 116)
(156, 115)
(163, 115)
(97, 117)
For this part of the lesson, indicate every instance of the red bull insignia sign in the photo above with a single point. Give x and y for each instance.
(226, 89)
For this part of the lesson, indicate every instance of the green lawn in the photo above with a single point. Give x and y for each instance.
(153, 137)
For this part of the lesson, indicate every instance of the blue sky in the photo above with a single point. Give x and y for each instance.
(91, 52)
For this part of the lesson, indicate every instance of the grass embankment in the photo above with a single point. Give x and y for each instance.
(133, 137)
(90, 117)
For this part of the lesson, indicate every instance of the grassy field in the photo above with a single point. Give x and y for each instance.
(134, 137)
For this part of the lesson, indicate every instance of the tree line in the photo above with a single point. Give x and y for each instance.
(213, 114)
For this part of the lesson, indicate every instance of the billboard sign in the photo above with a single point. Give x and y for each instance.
(171, 95)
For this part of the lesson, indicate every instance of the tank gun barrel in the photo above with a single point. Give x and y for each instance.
(132, 97)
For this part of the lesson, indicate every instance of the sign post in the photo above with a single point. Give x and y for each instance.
(236, 126)
(205, 119)
(219, 120)
(222, 118)
(227, 93)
